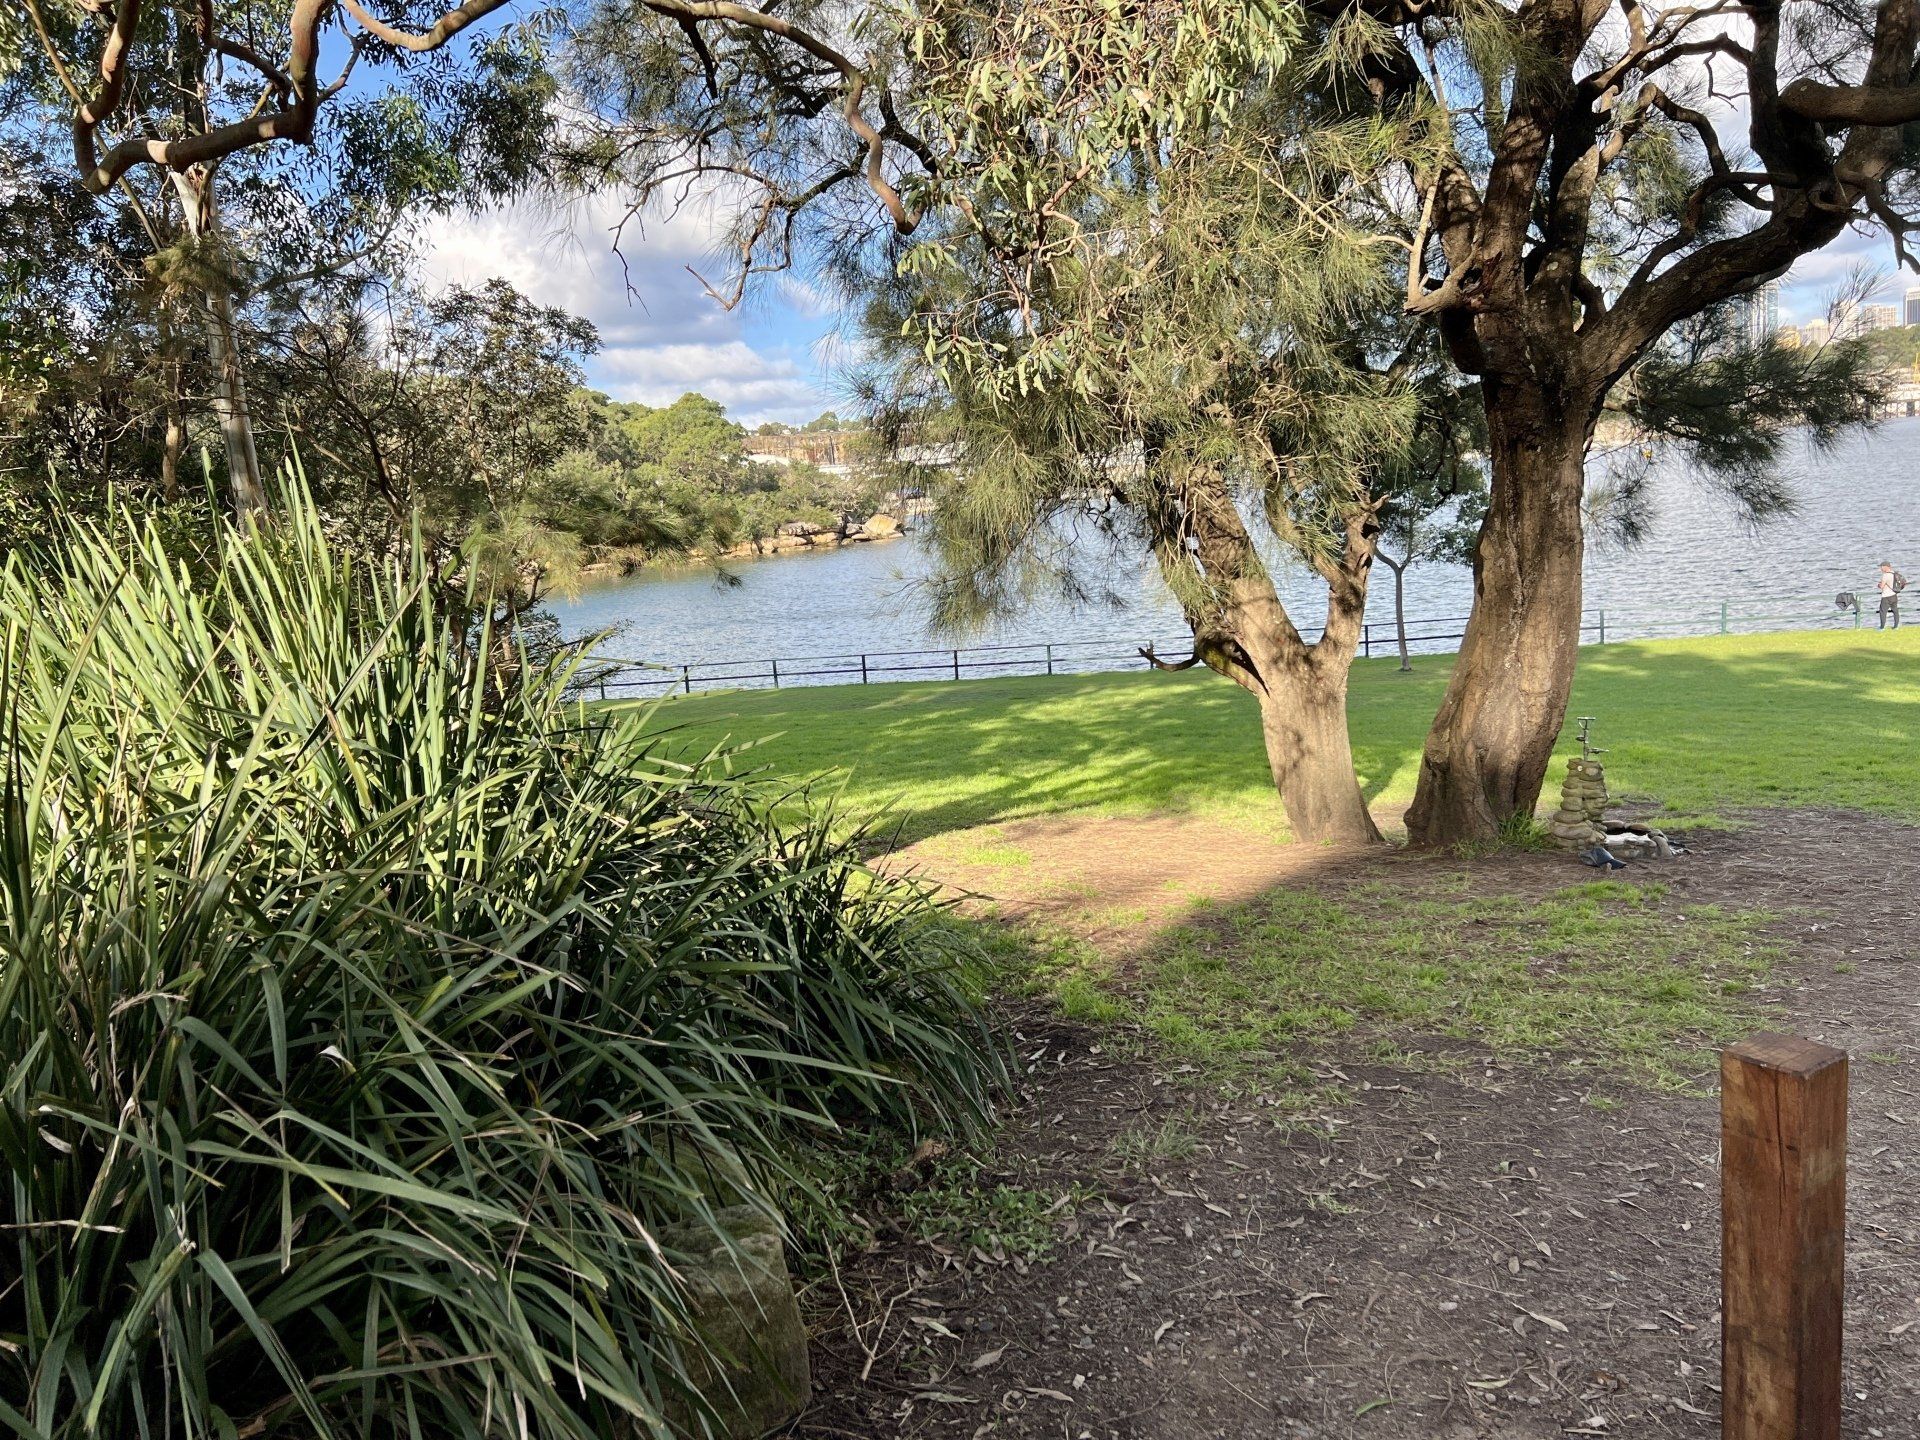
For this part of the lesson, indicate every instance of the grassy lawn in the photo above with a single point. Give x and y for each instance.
(1702, 726)
(1618, 973)
(1608, 979)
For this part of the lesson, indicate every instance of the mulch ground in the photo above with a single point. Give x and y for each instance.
(1480, 1252)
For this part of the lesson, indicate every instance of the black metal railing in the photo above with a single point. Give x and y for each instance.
(611, 676)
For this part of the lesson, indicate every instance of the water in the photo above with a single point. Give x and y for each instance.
(1860, 504)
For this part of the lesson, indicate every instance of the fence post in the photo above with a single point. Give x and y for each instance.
(1783, 1148)
(1049, 659)
(686, 680)
(1856, 614)
(1366, 639)
(775, 662)
(956, 664)
(1603, 627)
(863, 669)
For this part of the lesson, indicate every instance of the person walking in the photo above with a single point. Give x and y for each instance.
(1890, 584)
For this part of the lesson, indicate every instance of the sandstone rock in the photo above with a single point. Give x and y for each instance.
(802, 529)
(880, 526)
(742, 1303)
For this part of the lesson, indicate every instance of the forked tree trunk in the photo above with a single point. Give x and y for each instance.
(1487, 753)
(1303, 720)
(1242, 630)
(1399, 570)
(230, 404)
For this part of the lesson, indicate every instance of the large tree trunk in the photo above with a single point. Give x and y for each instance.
(230, 404)
(1487, 753)
(1303, 720)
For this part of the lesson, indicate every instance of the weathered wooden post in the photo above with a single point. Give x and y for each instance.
(1783, 1157)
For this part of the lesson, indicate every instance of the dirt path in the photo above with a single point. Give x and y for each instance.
(1481, 1253)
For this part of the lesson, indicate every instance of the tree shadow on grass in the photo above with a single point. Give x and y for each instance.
(1819, 718)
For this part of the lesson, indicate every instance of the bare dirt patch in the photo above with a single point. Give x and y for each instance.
(1116, 881)
(1486, 1249)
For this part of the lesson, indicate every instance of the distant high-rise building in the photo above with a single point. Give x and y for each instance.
(1788, 338)
(1881, 317)
(1816, 332)
(1763, 314)
(1913, 305)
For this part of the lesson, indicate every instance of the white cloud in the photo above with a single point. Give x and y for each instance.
(752, 386)
(661, 334)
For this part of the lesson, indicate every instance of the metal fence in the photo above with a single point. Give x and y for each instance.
(611, 676)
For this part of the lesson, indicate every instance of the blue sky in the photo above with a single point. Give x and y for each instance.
(773, 358)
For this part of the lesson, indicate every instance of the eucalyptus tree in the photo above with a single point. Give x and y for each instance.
(199, 121)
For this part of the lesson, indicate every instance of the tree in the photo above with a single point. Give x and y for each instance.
(1216, 399)
(184, 112)
(1136, 309)
(1582, 203)
(453, 407)
(1436, 494)
(1563, 198)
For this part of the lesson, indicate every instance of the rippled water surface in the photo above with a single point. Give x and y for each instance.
(1860, 504)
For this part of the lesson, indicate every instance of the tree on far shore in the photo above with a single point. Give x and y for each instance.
(1436, 493)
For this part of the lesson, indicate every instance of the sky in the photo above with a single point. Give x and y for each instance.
(661, 335)
(773, 357)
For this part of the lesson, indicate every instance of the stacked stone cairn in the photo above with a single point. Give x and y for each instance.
(1580, 822)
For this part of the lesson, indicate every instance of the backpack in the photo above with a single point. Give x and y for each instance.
(1899, 582)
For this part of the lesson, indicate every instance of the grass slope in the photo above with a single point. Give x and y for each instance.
(1701, 725)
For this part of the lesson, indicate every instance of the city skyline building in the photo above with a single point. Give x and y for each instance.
(1763, 314)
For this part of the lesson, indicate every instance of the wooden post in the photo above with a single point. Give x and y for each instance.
(1783, 1157)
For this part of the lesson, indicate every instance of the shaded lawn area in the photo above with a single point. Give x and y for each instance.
(1701, 726)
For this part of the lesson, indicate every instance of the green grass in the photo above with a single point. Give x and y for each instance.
(1604, 972)
(1705, 726)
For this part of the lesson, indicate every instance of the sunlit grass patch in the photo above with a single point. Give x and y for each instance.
(1702, 728)
(1602, 974)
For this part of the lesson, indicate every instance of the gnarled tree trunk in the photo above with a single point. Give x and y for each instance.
(1486, 755)
(1303, 721)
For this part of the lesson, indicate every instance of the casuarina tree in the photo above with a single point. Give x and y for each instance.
(1212, 405)
(1116, 273)
(1561, 202)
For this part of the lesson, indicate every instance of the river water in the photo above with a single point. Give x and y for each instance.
(1700, 570)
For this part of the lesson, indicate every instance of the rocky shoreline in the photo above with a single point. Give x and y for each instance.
(794, 535)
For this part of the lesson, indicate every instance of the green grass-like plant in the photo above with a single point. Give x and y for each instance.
(368, 1006)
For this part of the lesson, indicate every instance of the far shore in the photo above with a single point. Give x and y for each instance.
(771, 545)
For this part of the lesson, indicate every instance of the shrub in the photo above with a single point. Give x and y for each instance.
(367, 1007)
